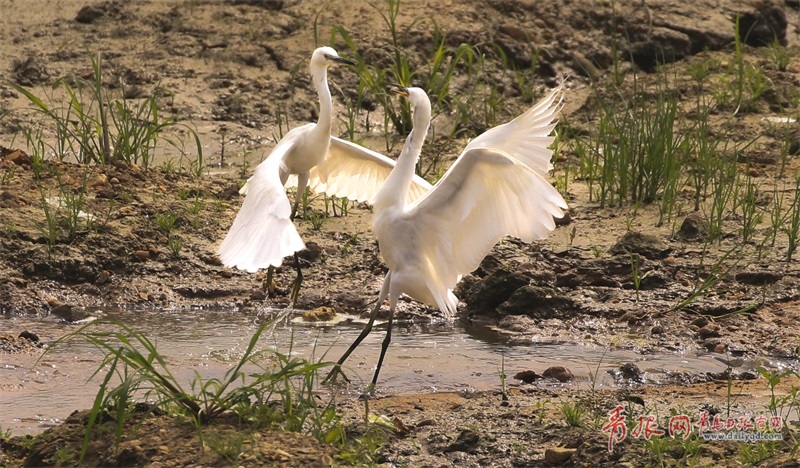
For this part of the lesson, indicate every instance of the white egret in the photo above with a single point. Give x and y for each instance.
(495, 188)
(263, 232)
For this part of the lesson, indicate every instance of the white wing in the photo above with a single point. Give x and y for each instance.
(353, 171)
(527, 137)
(262, 233)
(486, 195)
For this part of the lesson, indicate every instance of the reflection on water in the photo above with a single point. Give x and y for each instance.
(429, 358)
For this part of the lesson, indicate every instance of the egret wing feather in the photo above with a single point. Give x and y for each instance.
(262, 233)
(486, 195)
(527, 137)
(353, 171)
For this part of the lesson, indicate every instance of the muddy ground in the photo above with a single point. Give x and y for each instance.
(235, 70)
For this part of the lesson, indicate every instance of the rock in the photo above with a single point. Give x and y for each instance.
(560, 373)
(627, 373)
(142, 255)
(661, 45)
(494, 290)
(18, 157)
(273, 5)
(527, 376)
(709, 331)
(657, 330)
(311, 253)
(30, 336)
(258, 295)
(69, 313)
(467, 441)
(693, 228)
(99, 180)
(763, 25)
(646, 245)
(103, 277)
(558, 455)
(758, 278)
(700, 322)
(29, 72)
(88, 14)
(320, 314)
(517, 323)
(538, 303)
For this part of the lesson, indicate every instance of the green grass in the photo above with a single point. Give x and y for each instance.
(265, 389)
(92, 127)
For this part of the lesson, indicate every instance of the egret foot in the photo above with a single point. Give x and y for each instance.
(335, 373)
(369, 392)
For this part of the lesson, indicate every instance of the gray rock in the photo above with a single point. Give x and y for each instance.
(693, 228)
(538, 303)
(646, 245)
(560, 373)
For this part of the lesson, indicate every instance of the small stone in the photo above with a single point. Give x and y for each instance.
(30, 336)
(693, 228)
(720, 348)
(103, 277)
(142, 255)
(517, 323)
(708, 331)
(311, 253)
(646, 245)
(527, 376)
(320, 314)
(700, 322)
(114, 181)
(466, 442)
(657, 330)
(98, 181)
(758, 278)
(631, 371)
(560, 373)
(18, 157)
(258, 295)
(558, 455)
(69, 313)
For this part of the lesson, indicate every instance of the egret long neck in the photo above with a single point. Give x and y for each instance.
(320, 79)
(395, 190)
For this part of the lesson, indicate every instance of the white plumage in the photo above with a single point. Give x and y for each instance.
(262, 233)
(495, 188)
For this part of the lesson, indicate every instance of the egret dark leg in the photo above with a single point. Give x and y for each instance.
(269, 283)
(337, 368)
(302, 183)
(297, 282)
(384, 347)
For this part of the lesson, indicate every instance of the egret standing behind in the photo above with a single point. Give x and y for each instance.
(263, 232)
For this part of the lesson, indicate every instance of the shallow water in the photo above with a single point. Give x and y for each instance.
(422, 358)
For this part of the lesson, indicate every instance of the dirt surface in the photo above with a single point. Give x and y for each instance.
(235, 70)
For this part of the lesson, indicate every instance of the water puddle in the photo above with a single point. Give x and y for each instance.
(422, 358)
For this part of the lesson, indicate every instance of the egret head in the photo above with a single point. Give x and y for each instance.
(324, 56)
(418, 98)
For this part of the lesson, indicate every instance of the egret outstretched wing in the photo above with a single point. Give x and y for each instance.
(527, 137)
(486, 195)
(262, 233)
(353, 171)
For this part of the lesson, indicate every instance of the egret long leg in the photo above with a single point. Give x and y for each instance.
(269, 282)
(337, 368)
(302, 183)
(385, 344)
(296, 283)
